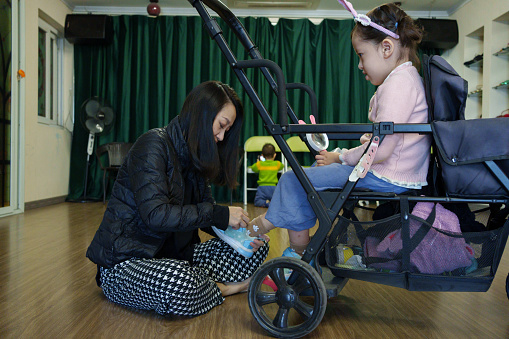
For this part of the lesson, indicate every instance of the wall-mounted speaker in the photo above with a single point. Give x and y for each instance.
(88, 29)
(439, 33)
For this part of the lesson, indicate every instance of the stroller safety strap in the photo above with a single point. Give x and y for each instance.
(365, 162)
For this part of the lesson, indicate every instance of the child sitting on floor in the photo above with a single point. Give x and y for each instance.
(267, 169)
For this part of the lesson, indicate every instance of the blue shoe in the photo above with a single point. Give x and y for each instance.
(290, 252)
(237, 239)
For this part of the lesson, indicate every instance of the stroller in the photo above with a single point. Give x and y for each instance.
(393, 248)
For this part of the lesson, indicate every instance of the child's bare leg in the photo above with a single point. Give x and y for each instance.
(299, 240)
(259, 225)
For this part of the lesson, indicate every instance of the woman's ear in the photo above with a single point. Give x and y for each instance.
(387, 47)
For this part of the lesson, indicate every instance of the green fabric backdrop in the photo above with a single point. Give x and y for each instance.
(152, 64)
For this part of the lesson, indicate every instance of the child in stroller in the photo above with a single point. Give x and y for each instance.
(388, 58)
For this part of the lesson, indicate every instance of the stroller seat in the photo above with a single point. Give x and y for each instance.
(472, 155)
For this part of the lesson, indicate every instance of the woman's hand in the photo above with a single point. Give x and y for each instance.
(327, 158)
(257, 243)
(238, 217)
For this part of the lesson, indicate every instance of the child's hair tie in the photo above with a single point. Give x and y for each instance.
(366, 20)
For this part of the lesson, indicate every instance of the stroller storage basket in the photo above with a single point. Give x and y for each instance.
(414, 254)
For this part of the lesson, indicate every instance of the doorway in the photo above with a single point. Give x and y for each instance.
(9, 107)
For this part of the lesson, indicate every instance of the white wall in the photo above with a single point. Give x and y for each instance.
(47, 148)
(479, 33)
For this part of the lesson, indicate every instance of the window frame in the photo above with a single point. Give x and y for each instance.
(53, 75)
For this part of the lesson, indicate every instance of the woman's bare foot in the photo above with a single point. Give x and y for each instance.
(233, 287)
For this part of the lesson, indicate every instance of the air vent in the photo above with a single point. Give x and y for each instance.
(282, 4)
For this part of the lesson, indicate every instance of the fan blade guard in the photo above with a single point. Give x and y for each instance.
(95, 126)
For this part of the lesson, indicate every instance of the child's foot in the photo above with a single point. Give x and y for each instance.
(259, 225)
(290, 252)
(239, 240)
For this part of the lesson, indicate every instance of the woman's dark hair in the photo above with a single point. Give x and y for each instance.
(216, 161)
(395, 20)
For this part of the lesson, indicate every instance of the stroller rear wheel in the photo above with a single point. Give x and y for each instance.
(292, 304)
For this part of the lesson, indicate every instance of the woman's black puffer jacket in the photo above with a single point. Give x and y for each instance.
(158, 203)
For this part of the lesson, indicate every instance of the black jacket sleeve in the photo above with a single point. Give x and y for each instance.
(220, 220)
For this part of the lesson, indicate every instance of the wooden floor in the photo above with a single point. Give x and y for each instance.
(47, 290)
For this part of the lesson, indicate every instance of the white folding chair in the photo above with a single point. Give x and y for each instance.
(297, 146)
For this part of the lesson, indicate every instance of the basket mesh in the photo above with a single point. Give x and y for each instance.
(378, 246)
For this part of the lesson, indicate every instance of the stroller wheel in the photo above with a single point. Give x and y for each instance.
(293, 304)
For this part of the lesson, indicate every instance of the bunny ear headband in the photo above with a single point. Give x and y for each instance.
(365, 20)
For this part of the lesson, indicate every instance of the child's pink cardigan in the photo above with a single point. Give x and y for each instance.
(401, 159)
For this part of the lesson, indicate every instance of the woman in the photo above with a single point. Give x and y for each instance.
(147, 248)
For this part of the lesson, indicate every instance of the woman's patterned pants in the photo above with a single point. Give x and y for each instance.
(171, 286)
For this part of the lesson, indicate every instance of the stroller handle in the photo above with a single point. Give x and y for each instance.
(310, 92)
(281, 95)
(285, 112)
(231, 20)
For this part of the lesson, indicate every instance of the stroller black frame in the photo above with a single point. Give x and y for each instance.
(320, 281)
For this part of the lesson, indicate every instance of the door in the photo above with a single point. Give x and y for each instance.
(9, 107)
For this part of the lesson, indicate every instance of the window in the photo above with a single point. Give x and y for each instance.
(50, 70)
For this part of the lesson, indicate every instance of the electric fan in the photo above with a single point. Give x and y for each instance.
(97, 118)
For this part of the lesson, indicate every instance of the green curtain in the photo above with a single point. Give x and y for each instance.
(153, 63)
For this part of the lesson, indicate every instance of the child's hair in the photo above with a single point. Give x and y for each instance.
(268, 151)
(395, 20)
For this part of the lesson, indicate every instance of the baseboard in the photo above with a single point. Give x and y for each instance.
(44, 202)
